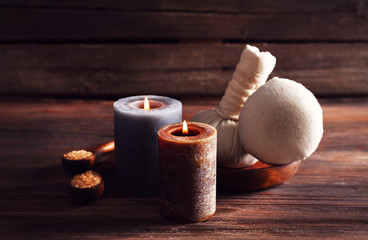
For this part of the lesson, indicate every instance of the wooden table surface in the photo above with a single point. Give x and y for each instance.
(327, 198)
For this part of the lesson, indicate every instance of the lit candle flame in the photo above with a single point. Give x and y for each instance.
(146, 104)
(185, 128)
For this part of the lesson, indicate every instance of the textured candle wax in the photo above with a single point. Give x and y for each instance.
(136, 147)
(188, 172)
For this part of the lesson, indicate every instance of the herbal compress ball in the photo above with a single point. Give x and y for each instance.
(281, 122)
(251, 72)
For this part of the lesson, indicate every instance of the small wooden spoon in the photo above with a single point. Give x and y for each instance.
(86, 195)
(83, 164)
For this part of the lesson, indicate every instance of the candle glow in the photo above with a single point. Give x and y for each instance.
(185, 128)
(146, 104)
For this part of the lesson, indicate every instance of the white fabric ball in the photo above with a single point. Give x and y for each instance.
(281, 122)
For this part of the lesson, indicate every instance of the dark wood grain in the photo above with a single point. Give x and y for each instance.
(111, 70)
(64, 24)
(326, 198)
(261, 6)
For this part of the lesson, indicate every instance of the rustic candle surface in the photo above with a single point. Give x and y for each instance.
(188, 172)
(136, 151)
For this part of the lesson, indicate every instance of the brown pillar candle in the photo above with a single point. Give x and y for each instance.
(187, 171)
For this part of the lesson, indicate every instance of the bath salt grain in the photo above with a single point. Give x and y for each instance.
(86, 180)
(77, 155)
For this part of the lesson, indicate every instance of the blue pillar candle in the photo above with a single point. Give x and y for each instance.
(136, 147)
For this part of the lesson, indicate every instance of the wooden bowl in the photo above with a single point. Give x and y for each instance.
(84, 164)
(86, 195)
(256, 177)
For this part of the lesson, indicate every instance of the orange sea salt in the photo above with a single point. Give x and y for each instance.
(86, 180)
(77, 155)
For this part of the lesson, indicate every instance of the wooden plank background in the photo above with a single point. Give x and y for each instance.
(94, 49)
